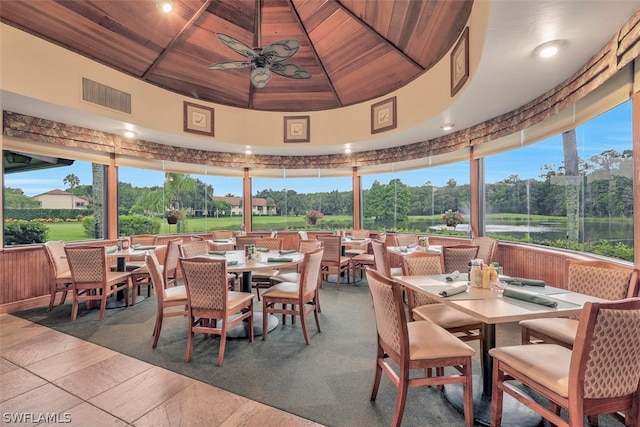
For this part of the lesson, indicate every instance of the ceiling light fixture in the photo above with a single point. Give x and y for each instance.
(129, 134)
(447, 126)
(347, 150)
(548, 49)
(165, 6)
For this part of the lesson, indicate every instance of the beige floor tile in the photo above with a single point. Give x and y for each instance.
(6, 366)
(198, 405)
(17, 381)
(15, 330)
(254, 414)
(40, 349)
(68, 362)
(47, 399)
(102, 376)
(142, 393)
(88, 415)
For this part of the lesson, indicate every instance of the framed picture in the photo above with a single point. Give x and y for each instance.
(296, 129)
(460, 62)
(198, 119)
(384, 115)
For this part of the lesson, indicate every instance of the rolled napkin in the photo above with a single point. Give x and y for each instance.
(454, 291)
(143, 248)
(112, 251)
(519, 281)
(403, 249)
(529, 297)
(356, 238)
(279, 259)
(262, 249)
(452, 276)
(221, 241)
(287, 251)
(235, 262)
(217, 252)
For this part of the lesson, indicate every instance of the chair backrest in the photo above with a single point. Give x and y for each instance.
(206, 282)
(422, 263)
(54, 249)
(456, 258)
(605, 361)
(169, 272)
(405, 239)
(222, 234)
(380, 257)
(144, 239)
(303, 235)
(332, 246)
(156, 274)
(382, 237)
(309, 277)
(194, 248)
(389, 311)
(305, 246)
(271, 243)
(602, 279)
(196, 238)
(88, 263)
(487, 248)
(290, 239)
(245, 240)
(361, 233)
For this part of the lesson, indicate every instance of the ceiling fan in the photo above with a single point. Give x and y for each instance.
(265, 61)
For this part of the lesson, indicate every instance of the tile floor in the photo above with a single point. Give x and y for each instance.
(49, 378)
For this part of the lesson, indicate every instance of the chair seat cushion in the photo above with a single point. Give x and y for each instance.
(396, 271)
(264, 275)
(364, 258)
(64, 275)
(546, 364)
(282, 290)
(354, 252)
(286, 277)
(444, 316)
(429, 341)
(238, 299)
(559, 328)
(117, 276)
(175, 293)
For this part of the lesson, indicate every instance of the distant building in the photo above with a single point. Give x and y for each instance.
(259, 206)
(60, 199)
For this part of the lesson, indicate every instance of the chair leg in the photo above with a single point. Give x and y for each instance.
(377, 375)
(64, 297)
(187, 356)
(52, 300)
(74, 307)
(158, 327)
(265, 319)
(401, 399)
(496, 395)
(468, 394)
(303, 323)
(223, 341)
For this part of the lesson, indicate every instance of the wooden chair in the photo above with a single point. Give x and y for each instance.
(210, 300)
(92, 279)
(381, 259)
(290, 239)
(333, 262)
(241, 241)
(421, 307)
(359, 263)
(405, 239)
(301, 295)
(60, 280)
(222, 234)
(456, 258)
(602, 279)
(354, 250)
(262, 279)
(417, 346)
(167, 296)
(194, 248)
(487, 248)
(601, 375)
(137, 261)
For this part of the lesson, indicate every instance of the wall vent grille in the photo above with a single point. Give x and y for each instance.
(106, 96)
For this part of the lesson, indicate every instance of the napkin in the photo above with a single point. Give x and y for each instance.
(287, 251)
(519, 281)
(221, 241)
(403, 249)
(111, 251)
(143, 248)
(413, 245)
(279, 259)
(356, 238)
(217, 252)
(262, 249)
(526, 296)
(229, 263)
(452, 276)
(454, 291)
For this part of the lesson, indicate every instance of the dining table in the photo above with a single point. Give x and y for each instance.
(492, 307)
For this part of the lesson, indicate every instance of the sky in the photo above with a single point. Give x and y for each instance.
(611, 130)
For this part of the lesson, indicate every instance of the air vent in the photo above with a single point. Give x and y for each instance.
(106, 96)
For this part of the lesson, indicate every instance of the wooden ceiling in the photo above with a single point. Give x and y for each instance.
(356, 50)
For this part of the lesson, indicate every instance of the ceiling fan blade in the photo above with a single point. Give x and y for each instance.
(290, 70)
(229, 65)
(281, 50)
(236, 45)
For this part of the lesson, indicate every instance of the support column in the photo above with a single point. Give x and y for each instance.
(112, 198)
(356, 185)
(247, 202)
(635, 120)
(476, 186)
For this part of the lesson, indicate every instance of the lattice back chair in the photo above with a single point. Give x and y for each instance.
(333, 262)
(602, 279)
(381, 258)
(355, 250)
(241, 241)
(167, 296)
(301, 297)
(194, 248)
(222, 234)
(212, 307)
(170, 267)
(405, 239)
(418, 346)
(421, 264)
(92, 279)
(60, 280)
(262, 279)
(290, 239)
(271, 243)
(456, 258)
(487, 248)
(601, 375)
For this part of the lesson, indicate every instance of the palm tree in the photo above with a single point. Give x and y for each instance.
(72, 181)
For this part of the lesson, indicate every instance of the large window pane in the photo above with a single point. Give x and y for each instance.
(573, 190)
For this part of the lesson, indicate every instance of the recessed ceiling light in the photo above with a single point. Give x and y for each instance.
(447, 126)
(347, 150)
(247, 151)
(548, 49)
(129, 134)
(165, 6)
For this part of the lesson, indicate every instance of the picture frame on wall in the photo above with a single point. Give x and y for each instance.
(297, 129)
(460, 62)
(384, 115)
(198, 119)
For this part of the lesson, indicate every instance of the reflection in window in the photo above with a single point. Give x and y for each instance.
(574, 190)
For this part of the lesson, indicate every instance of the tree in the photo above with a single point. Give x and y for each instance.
(14, 198)
(72, 181)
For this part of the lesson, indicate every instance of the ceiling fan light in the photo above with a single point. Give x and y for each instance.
(260, 77)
